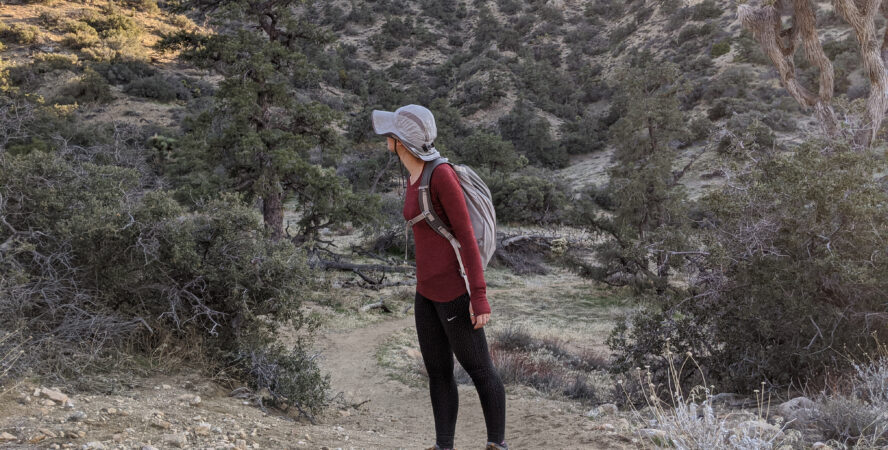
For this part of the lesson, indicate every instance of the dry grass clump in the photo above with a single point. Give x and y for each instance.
(690, 421)
(544, 364)
(858, 417)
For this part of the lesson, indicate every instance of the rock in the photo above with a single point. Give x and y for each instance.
(148, 447)
(798, 412)
(111, 411)
(659, 437)
(48, 402)
(414, 353)
(39, 437)
(6, 437)
(606, 427)
(820, 446)
(78, 416)
(758, 428)
(165, 387)
(118, 437)
(195, 401)
(54, 395)
(202, 429)
(94, 445)
(49, 433)
(177, 440)
(161, 424)
(608, 409)
(240, 444)
(24, 399)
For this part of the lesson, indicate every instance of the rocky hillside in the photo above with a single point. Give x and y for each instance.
(541, 75)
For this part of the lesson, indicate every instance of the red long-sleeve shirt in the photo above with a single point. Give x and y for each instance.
(437, 270)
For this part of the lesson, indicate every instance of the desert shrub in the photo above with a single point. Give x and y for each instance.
(79, 35)
(149, 6)
(850, 420)
(449, 12)
(694, 33)
(159, 87)
(531, 136)
(527, 198)
(509, 7)
(91, 87)
(124, 71)
(50, 19)
(20, 33)
(50, 62)
(748, 50)
(784, 261)
(707, 9)
(111, 21)
(720, 48)
(94, 265)
(604, 8)
(488, 150)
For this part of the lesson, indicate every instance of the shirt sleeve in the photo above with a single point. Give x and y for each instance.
(446, 189)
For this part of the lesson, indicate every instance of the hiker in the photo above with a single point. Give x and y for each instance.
(451, 305)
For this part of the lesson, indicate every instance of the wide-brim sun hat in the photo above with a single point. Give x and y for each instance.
(413, 125)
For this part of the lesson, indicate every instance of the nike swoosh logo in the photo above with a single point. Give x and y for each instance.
(454, 317)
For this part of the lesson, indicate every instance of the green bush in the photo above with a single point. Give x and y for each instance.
(159, 87)
(50, 62)
(101, 266)
(20, 33)
(781, 265)
(488, 150)
(89, 88)
(527, 198)
(531, 136)
(707, 9)
(149, 6)
(720, 48)
(79, 35)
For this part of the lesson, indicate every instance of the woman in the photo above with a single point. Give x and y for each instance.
(449, 320)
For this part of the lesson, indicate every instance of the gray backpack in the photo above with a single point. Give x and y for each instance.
(479, 203)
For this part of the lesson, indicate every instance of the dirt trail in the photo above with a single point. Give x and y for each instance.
(395, 415)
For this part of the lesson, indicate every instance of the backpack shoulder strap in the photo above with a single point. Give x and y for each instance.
(427, 213)
(425, 201)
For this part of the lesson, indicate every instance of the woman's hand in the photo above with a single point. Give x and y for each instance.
(480, 320)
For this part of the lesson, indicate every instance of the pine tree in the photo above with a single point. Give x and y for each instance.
(260, 130)
(647, 212)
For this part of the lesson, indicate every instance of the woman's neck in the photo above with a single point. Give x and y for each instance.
(413, 164)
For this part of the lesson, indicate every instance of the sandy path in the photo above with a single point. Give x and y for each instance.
(396, 415)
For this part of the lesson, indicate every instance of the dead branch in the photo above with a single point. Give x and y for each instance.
(380, 304)
(338, 265)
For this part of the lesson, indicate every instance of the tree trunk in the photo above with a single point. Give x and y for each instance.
(273, 214)
(862, 18)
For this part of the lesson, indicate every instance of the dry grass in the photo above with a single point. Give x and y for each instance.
(690, 421)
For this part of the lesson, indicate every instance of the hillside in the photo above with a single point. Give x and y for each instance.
(201, 238)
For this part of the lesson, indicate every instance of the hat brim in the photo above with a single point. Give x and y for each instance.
(383, 122)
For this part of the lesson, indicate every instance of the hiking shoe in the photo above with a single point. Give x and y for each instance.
(495, 446)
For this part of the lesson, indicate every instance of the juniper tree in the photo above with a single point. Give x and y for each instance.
(260, 130)
(646, 202)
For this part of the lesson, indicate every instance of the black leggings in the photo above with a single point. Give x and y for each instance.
(444, 330)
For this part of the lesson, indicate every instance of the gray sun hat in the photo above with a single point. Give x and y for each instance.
(413, 125)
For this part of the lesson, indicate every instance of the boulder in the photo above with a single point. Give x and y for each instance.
(799, 412)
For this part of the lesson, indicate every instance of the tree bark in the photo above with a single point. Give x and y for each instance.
(273, 214)
(779, 45)
(862, 20)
